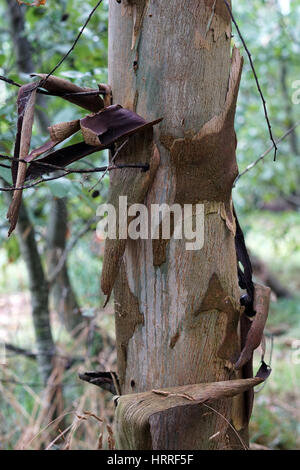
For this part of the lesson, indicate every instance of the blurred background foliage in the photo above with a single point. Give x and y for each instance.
(267, 199)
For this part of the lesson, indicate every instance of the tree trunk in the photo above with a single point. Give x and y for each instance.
(177, 311)
(23, 52)
(39, 293)
(63, 298)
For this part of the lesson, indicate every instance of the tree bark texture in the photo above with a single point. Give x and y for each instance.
(177, 311)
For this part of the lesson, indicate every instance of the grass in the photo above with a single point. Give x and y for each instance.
(276, 418)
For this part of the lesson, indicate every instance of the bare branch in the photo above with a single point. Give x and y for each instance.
(142, 166)
(253, 164)
(112, 161)
(85, 229)
(75, 42)
(255, 76)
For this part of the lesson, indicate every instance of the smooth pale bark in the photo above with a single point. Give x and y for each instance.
(172, 60)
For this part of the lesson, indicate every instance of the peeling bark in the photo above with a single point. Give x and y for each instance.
(146, 421)
(195, 90)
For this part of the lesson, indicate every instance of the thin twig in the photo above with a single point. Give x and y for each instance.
(61, 262)
(112, 161)
(253, 164)
(229, 424)
(4, 166)
(255, 76)
(60, 95)
(74, 43)
(34, 355)
(105, 169)
(9, 81)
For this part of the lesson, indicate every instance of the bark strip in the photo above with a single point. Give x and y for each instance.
(144, 420)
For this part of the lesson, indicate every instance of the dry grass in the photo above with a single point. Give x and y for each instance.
(67, 414)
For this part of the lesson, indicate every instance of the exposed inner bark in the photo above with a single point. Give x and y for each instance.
(180, 68)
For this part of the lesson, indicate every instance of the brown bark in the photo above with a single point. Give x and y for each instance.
(177, 311)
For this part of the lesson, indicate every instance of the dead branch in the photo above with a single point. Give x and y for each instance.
(255, 76)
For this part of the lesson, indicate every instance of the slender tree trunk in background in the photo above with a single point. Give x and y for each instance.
(23, 52)
(50, 366)
(290, 121)
(39, 294)
(172, 60)
(62, 296)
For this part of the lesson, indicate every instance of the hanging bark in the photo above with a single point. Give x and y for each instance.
(178, 311)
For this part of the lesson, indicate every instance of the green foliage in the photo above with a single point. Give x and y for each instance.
(274, 47)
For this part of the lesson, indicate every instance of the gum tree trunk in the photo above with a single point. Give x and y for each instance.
(177, 311)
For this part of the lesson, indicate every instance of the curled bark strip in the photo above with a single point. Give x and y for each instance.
(61, 86)
(100, 132)
(245, 275)
(58, 133)
(62, 157)
(136, 412)
(24, 95)
(112, 123)
(26, 105)
(104, 380)
(134, 184)
(63, 130)
(107, 92)
(261, 306)
(264, 371)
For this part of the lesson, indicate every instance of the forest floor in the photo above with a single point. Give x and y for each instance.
(276, 417)
(275, 423)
